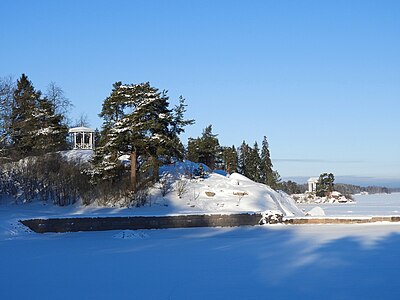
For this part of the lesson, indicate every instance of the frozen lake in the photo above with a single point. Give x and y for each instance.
(365, 205)
(281, 261)
(356, 261)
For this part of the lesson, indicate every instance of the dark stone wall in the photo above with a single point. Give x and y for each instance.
(184, 221)
(122, 223)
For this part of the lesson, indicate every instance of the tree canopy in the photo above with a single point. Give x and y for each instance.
(139, 122)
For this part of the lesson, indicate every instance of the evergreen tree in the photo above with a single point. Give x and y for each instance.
(275, 181)
(193, 149)
(325, 184)
(253, 168)
(267, 174)
(35, 128)
(179, 120)
(291, 187)
(230, 159)
(22, 123)
(52, 132)
(111, 145)
(243, 161)
(138, 122)
(205, 149)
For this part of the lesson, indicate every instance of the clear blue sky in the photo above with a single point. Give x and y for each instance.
(321, 79)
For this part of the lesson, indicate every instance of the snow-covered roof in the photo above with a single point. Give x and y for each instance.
(80, 129)
(313, 179)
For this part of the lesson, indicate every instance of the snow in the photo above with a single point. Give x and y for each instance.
(357, 261)
(275, 261)
(313, 179)
(45, 131)
(281, 261)
(364, 206)
(180, 192)
(80, 156)
(80, 129)
(309, 198)
(218, 194)
(316, 212)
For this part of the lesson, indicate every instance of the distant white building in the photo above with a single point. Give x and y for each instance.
(82, 138)
(312, 184)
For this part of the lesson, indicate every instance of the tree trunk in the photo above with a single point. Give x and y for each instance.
(156, 167)
(133, 171)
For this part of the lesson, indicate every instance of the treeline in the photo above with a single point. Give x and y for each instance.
(355, 189)
(138, 124)
(291, 187)
(252, 162)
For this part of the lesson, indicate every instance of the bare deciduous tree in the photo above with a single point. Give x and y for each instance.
(56, 95)
(82, 121)
(7, 88)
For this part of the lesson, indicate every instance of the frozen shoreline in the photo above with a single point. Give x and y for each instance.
(373, 205)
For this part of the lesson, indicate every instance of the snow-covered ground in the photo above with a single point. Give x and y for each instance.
(80, 156)
(364, 205)
(262, 262)
(221, 194)
(279, 261)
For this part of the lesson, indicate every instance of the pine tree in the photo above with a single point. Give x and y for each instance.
(138, 122)
(325, 184)
(193, 149)
(178, 126)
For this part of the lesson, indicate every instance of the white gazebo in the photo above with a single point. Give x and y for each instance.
(82, 138)
(312, 184)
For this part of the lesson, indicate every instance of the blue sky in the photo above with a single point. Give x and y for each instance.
(321, 79)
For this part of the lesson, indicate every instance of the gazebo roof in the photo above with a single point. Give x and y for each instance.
(313, 179)
(80, 129)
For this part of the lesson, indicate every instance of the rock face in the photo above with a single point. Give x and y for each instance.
(240, 194)
(307, 197)
(210, 194)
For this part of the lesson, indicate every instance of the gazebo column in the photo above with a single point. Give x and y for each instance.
(82, 138)
(91, 141)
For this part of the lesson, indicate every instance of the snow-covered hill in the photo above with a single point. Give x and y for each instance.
(216, 193)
